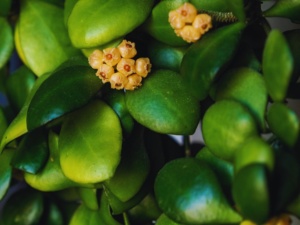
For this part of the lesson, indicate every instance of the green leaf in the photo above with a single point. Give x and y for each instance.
(188, 192)
(87, 29)
(5, 7)
(66, 90)
(164, 220)
(205, 60)
(255, 206)
(74, 61)
(88, 197)
(69, 5)
(133, 168)
(211, 5)
(277, 65)
(6, 41)
(19, 85)
(163, 56)
(23, 207)
(287, 131)
(294, 207)
(116, 100)
(164, 105)
(237, 8)
(43, 38)
(81, 130)
(18, 126)
(32, 152)
(285, 8)
(158, 26)
(52, 215)
(126, 219)
(5, 171)
(247, 87)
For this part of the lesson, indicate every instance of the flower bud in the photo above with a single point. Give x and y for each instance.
(111, 56)
(127, 49)
(96, 59)
(118, 81)
(188, 12)
(105, 72)
(143, 66)
(134, 81)
(190, 34)
(176, 20)
(202, 23)
(126, 66)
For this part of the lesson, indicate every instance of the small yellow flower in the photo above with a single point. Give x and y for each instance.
(105, 72)
(188, 12)
(190, 34)
(176, 20)
(118, 81)
(127, 49)
(143, 66)
(111, 56)
(126, 66)
(134, 81)
(202, 23)
(96, 59)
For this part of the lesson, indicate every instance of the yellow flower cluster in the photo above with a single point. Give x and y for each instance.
(188, 24)
(129, 72)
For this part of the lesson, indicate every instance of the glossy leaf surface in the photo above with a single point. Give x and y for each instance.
(224, 132)
(40, 21)
(23, 208)
(32, 152)
(69, 5)
(74, 61)
(285, 8)
(163, 104)
(18, 86)
(87, 29)
(206, 59)
(158, 26)
(288, 130)
(5, 171)
(66, 90)
(81, 131)
(247, 87)
(255, 206)
(164, 220)
(277, 65)
(18, 126)
(6, 41)
(116, 100)
(211, 5)
(88, 197)
(188, 192)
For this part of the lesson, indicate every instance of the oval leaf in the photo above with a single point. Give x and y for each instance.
(6, 41)
(285, 8)
(5, 171)
(88, 197)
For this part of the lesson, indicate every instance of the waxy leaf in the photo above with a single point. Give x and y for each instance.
(164, 220)
(74, 61)
(287, 131)
(5, 171)
(23, 207)
(211, 5)
(255, 206)
(237, 8)
(164, 105)
(32, 152)
(6, 41)
(43, 37)
(277, 65)
(5, 7)
(88, 197)
(67, 89)
(247, 87)
(69, 5)
(187, 190)
(285, 8)
(87, 29)
(18, 126)
(205, 60)
(83, 215)
(18, 86)
(133, 168)
(163, 56)
(90, 143)
(116, 100)
(158, 25)
(51, 177)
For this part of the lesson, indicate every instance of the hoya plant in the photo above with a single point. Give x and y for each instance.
(85, 129)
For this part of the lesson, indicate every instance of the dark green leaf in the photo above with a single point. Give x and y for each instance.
(6, 41)
(5, 7)
(285, 8)
(88, 197)
(164, 220)
(52, 214)
(211, 5)
(237, 8)
(5, 171)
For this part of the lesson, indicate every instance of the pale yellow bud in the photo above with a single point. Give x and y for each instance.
(96, 59)
(105, 72)
(111, 56)
(190, 34)
(143, 66)
(202, 23)
(188, 12)
(127, 49)
(134, 81)
(126, 66)
(176, 20)
(118, 81)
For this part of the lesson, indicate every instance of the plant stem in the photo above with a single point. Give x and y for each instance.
(187, 146)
